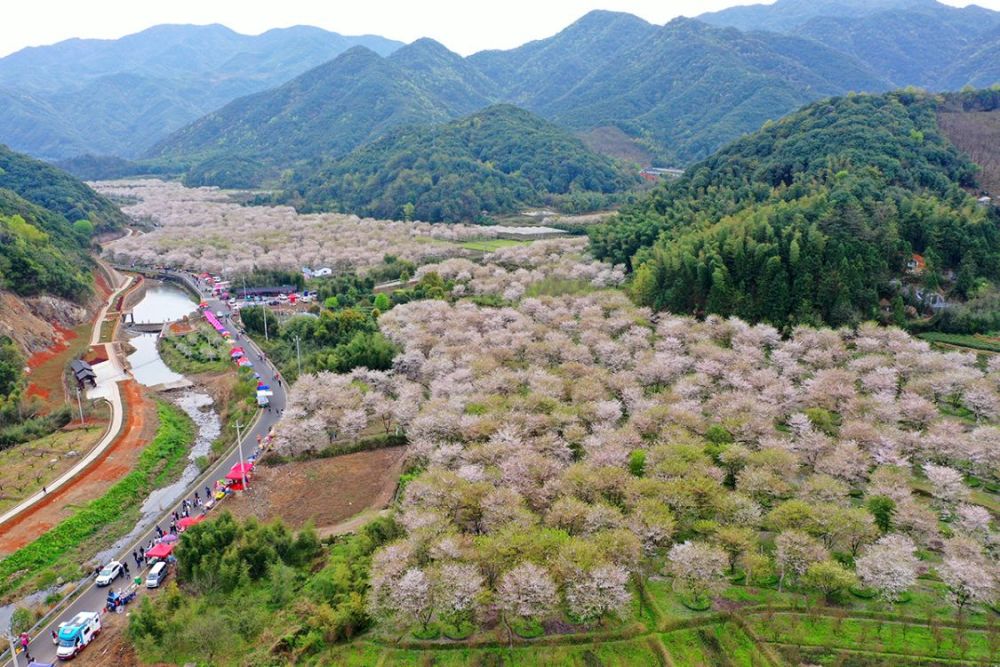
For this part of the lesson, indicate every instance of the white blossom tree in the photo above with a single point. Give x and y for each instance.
(889, 566)
(527, 592)
(698, 569)
(599, 592)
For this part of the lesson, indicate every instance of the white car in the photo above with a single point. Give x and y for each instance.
(109, 573)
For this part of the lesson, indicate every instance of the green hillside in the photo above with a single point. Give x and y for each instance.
(327, 111)
(807, 220)
(497, 161)
(57, 191)
(46, 220)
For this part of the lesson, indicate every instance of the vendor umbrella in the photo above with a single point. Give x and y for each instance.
(160, 551)
(189, 521)
(239, 470)
(168, 538)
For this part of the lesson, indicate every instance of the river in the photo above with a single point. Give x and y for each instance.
(162, 302)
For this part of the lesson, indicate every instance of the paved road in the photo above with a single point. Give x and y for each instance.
(93, 598)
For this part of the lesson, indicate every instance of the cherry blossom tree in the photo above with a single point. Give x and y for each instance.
(970, 580)
(527, 592)
(459, 586)
(795, 552)
(889, 566)
(697, 568)
(598, 592)
(947, 485)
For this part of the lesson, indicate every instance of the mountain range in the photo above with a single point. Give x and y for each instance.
(665, 95)
(120, 96)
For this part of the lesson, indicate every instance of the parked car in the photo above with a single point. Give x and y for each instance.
(156, 575)
(109, 573)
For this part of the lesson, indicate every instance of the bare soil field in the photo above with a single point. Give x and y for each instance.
(324, 491)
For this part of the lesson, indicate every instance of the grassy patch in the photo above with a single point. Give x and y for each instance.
(489, 245)
(200, 351)
(559, 287)
(934, 641)
(975, 342)
(634, 653)
(719, 644)
(25, 468)
(112, 514)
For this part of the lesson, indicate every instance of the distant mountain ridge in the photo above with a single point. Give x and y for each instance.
(679, 91)
(120, 96)
(667, 95)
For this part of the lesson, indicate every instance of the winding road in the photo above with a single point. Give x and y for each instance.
(110, 392)
(93, 598)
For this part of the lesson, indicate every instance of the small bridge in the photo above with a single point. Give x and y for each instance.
(146, 327)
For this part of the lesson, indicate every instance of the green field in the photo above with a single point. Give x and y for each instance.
(884, 637)
(634, 653)
(976, 342)
(489, 245)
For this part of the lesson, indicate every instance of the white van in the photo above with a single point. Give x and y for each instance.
(156, 575)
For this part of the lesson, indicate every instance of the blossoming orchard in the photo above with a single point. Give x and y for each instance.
(761, 455)
(573, 460)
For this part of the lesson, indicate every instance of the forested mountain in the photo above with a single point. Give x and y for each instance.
(667, 95)
(787, 15)
(679, 91)
(909, 42)
(689, 88)
(120, 96)
(327, 111)
(495, 161)
(55, 190)
(807, 220)
(919, 46)
(46, 220)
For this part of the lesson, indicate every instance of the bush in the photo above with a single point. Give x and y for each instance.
(527, 628)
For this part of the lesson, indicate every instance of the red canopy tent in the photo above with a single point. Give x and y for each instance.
(237, 473)
(161, 550)
(189, 521)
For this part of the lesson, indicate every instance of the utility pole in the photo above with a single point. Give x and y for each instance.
(10, 642)
(239, 445)
(263, 310)
(79, 403)
(298, 353)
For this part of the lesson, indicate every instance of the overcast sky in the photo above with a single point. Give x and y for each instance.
(464, 26)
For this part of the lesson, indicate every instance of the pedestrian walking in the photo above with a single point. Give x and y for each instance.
(135, 555)
(142, 552)
(125, 567)
(208, 492)
(44, 491)
(196, 496)
(159, 531)
(186, 514)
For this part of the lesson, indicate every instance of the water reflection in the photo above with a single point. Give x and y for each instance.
(147, 367)
(163, 302)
